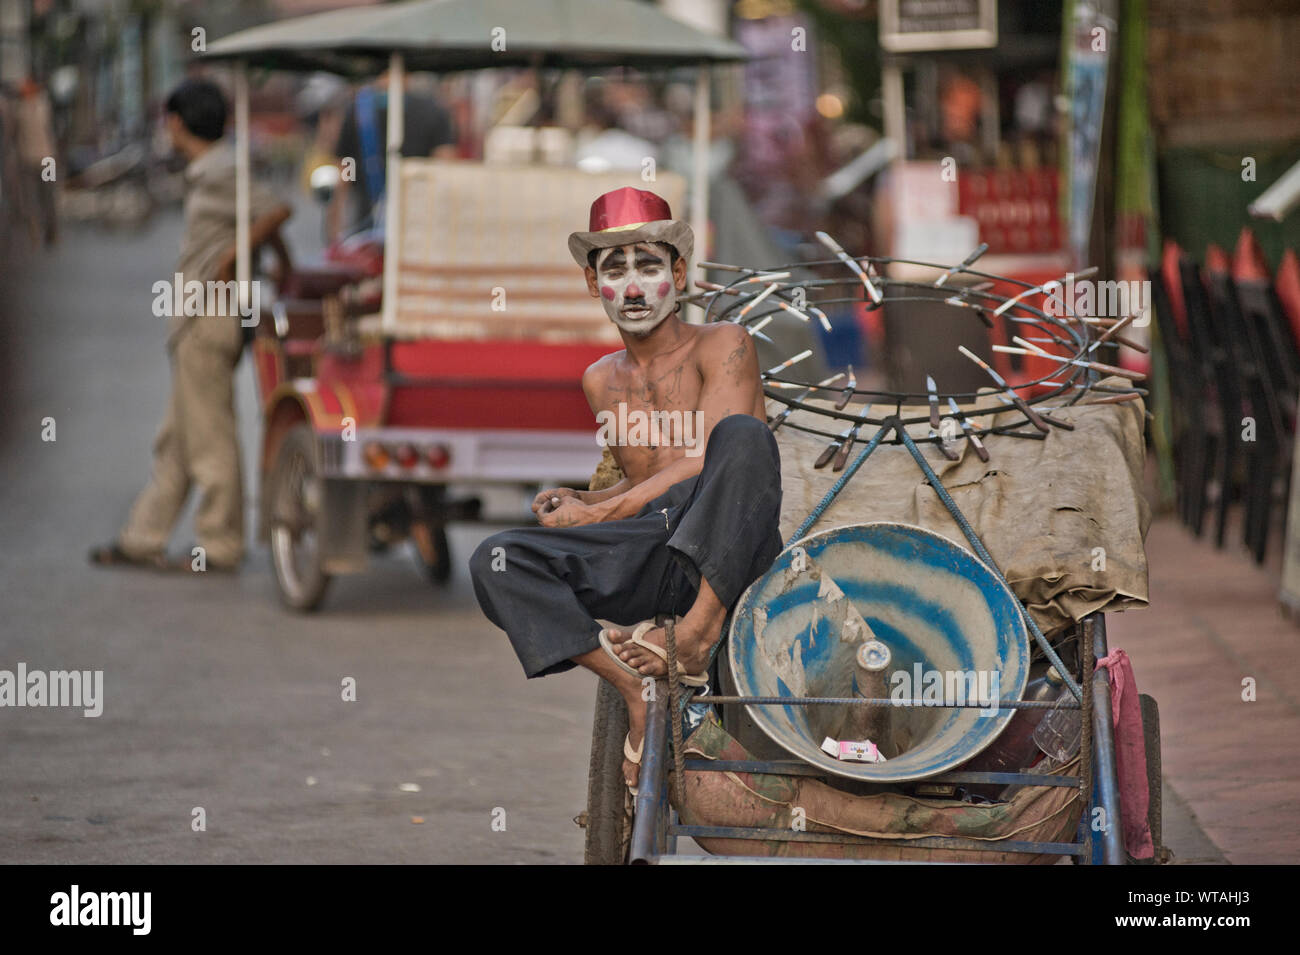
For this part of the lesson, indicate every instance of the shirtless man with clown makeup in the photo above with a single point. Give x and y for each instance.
(684, 533)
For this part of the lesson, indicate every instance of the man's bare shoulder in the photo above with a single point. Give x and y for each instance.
(720, 339)
(599, 371)
(603, 366)
(726, 346)
(722, 332)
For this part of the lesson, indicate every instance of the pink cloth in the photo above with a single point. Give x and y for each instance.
(1130, 754)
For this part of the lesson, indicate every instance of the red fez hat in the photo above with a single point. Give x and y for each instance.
(627, 216)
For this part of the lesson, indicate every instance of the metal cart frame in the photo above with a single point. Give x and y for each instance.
(655, 829)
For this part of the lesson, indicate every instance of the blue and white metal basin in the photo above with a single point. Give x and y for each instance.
(953, 628)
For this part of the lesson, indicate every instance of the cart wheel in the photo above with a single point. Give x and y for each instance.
(295, 510)
(432, 551)
(1151, 736)
(607, 841)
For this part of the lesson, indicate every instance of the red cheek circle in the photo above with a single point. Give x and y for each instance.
(607, 293)
(663, 289)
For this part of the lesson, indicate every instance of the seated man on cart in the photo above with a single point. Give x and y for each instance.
(692, 523)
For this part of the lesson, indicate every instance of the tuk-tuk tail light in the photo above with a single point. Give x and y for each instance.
(438, 456)
(376, 455)
(406, 455)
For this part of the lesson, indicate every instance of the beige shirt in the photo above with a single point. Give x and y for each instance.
(209, 212)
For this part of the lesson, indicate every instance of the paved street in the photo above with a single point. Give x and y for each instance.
(217, 698)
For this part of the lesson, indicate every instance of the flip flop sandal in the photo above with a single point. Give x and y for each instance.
(112, 555)
(640, 631)
(633, 756)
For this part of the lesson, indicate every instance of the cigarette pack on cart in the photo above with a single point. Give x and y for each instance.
(857, 751)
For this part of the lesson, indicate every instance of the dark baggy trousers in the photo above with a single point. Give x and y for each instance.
(545, 586)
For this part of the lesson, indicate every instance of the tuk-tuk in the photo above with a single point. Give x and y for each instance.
(452, 355)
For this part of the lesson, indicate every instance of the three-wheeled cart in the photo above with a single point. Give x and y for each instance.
(1053, 483)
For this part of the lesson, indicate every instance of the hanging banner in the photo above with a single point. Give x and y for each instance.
(780, 106)
(909, 26)
(1090, 33)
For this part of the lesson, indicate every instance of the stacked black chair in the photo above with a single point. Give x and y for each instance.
(1234, 372)
(1278, 361)
(1259, 436)
(1215, 352)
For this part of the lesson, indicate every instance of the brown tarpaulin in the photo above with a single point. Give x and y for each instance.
(1064, 518)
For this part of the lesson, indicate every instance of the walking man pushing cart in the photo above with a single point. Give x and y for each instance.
(694, 520)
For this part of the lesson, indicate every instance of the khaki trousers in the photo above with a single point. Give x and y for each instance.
(197, 445)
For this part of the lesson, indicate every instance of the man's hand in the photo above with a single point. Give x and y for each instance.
(265, 229)
(571, 512)
(547, 501)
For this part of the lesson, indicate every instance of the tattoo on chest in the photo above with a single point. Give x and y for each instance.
(656, 390)
(663, 389)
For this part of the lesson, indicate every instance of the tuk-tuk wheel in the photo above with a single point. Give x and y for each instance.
(607, 829)
(295, 511)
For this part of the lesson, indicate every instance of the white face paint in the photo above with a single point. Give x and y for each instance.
(636, 285)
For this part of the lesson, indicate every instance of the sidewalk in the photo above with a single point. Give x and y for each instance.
(1214, 621)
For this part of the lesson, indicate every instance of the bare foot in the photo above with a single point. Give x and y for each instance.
(630, 688)
(693, 645)
(635, 738)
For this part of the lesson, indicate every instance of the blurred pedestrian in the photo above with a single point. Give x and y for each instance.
(198, 443)
(604, 145)
(427, 131)
(37, 172)
(8, 162)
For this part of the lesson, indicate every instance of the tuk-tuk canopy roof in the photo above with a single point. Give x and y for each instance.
(448, 35)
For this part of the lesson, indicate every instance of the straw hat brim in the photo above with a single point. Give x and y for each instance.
(675, 232)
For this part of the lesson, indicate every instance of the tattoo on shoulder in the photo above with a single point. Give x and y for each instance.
(738, 353)
(736, 361)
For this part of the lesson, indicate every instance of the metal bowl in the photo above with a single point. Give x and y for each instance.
(944, 615)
